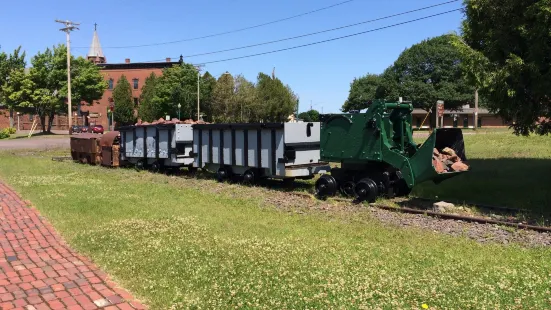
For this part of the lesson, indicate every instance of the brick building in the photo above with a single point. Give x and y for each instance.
(135, 73)
(463, 118)
(96, 113)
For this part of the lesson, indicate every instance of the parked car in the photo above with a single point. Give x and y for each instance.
(79, 129)
(96, 129)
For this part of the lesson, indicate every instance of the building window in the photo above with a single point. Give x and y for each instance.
(110, 83)
(135, 83)
(135, 101)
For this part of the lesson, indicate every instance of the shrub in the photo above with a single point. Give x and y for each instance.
(4, 133)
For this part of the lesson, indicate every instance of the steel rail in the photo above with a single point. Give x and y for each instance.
(478, 205)
(463, 218)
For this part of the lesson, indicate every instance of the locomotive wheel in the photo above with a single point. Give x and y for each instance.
(249, 177)
(326, 185)
(156, 166)
(223, 174)
(366, 190)
(192, 170)
(348, 189)
(139, 165)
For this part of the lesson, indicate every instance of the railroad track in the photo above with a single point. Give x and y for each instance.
(472, 219)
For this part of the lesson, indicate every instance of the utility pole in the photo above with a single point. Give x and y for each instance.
(475, 109)
(69, 26)
(198, 77)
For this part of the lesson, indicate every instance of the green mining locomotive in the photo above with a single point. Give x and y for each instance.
(378, 156)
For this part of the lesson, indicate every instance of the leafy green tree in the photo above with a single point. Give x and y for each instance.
(18, 90)
(9, 65)
(277, 101)
(47, 82)
(87, 82)
(512, 43)
(208, 83)
(362, 90)
(178, 84)
(124, 107)
(310, 116)
(427, 72)
(245, 101)
(223, 99)
(49, 76)
(147, 110)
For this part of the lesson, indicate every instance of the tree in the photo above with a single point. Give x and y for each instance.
(277, 101)
(178, 84)
(124, 107)
(223, 101)
(513, 43)
(427, 72)
(310, 116)
(87, 82)
(361, 91)
(208, 82)
(245, 101)
(48, 83)
(17, 91)
(147, 110)
(10, 64)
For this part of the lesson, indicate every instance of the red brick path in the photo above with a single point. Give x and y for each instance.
(39, 271)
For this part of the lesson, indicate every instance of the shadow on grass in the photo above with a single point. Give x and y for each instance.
(38, 134)
(520, 183)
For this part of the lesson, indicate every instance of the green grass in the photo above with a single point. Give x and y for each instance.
(181, 243)
(505, 170)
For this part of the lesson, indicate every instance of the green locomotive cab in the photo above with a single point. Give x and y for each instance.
(378, 156)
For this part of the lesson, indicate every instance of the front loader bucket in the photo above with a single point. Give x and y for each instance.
(424, 164)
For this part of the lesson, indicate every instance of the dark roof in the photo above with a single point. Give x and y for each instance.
(138, 65)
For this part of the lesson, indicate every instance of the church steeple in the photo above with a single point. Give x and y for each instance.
(95, 54)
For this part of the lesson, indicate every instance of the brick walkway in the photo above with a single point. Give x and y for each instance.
(39, 271)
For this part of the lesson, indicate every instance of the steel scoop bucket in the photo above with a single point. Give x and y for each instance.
(422, 163)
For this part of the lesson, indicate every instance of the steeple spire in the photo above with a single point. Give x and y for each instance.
(95, 54)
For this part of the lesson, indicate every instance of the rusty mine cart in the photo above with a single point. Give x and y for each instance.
(96, 149)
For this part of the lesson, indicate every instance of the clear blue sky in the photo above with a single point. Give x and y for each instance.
(320, 73)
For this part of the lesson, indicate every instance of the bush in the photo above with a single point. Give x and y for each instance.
(4, 133)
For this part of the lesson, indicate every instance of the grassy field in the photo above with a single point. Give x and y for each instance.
(181, 243)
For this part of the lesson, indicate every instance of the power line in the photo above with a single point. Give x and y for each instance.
(318, 32)
(323, 41)
(329, 40)
(232, 31)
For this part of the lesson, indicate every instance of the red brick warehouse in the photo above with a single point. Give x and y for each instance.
(135, 73)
